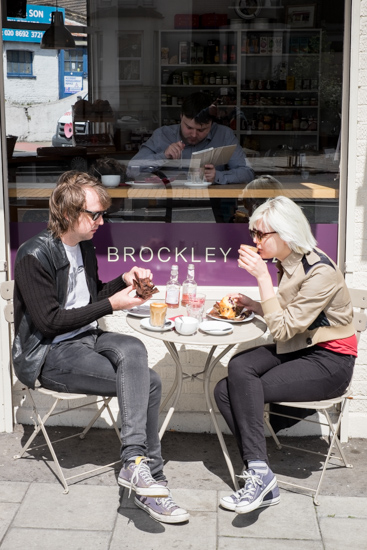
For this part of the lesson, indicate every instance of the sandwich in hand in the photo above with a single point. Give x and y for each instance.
(144, 287)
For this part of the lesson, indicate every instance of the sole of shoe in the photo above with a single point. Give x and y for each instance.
(259, 502)
(160, 517)
(232, 505)
(158, 492)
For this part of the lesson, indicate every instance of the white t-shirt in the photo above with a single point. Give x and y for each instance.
(78, 293)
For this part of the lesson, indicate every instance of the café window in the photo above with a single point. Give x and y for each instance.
(19, 63)
(274, 74)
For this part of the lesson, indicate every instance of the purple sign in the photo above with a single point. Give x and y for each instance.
(212, 248)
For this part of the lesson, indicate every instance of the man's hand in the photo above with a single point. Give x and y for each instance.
(129, 276)
(174, 150)
(209, 173)
(123, 300)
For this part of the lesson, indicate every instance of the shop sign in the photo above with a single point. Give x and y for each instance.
(212, 248)
(35, 14)
(73, 84)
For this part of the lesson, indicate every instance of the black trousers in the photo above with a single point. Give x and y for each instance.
(260, 375)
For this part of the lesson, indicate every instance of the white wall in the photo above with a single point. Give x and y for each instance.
(41, 89)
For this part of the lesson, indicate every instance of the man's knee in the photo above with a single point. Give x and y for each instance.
(155, 380)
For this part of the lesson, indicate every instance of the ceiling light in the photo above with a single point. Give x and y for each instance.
(57, 37)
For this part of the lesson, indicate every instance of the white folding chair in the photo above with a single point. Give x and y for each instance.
(338, 405)
(7, 289)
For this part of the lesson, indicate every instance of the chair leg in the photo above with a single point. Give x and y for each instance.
(41, 427)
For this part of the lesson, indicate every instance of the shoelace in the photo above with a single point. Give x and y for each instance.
(238, 494)
(167, 502)
(251, 480)
(143, 471)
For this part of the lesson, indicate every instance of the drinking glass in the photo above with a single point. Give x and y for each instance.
(158, 314)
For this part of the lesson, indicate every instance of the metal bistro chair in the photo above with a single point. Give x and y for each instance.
(7, 289)
(338, 404)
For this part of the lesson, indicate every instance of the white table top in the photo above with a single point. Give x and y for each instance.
(242, 332)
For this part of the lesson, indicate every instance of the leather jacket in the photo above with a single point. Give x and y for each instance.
(41, 285)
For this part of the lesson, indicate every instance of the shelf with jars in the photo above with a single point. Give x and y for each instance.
(268, 80)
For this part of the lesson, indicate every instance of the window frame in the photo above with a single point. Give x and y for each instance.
(19, 74)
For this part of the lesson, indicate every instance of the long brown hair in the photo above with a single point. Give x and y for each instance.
(68, 197)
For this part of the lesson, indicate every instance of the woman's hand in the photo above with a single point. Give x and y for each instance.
(252, 262)
(245, 301)
(255, 265)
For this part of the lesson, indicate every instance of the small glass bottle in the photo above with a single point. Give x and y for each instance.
(189, 286)
(173, 288)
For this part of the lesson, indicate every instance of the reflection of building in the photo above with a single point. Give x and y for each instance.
(33, 76)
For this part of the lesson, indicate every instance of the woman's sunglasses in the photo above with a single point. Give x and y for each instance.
(259, 235)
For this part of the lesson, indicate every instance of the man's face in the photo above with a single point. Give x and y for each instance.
(85, 228)
(192, 132)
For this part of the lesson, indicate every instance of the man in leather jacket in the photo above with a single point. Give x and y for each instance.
(58, 299)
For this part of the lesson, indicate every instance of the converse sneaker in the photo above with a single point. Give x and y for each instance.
(270, 499)
(162, 509)
(257, 486)
(136, 475)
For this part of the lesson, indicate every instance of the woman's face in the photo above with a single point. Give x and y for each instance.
(270, 246)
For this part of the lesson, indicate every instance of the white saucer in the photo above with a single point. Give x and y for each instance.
(194, 185)
(140, 311)
(216, 328)
(145, 323)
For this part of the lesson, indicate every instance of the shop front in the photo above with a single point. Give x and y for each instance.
(283, 77)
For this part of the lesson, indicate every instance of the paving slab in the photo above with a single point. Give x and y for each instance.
(231, 543)
(355, 507)
(7, 514)
(85, 507)
(293, 518)
(136, 530)
(12, 491)
(55, 539)
(341, 533)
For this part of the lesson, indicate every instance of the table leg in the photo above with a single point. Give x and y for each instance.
(207, 375)
(177, 385)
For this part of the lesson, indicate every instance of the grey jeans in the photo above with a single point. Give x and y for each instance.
(112, 364)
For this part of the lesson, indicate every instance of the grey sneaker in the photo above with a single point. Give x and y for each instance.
(136, 476)
(162, 509)
(257, 486)
(270, 499)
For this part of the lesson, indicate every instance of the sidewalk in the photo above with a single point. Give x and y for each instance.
(35, 514)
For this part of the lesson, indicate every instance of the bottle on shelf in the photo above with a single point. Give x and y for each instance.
(233, 56)
(173, 288)
(216, 55)
(189, 286)
(224, 55)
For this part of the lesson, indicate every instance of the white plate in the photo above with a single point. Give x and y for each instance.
(194, 185)
(145, 323)
(216, 327)
(140, 311)
(145, 184)
(249, 318)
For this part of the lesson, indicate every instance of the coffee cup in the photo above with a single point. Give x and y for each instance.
(186, 325)
(158, 312)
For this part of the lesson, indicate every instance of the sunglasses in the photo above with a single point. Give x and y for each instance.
(259, 235)
(94, 215)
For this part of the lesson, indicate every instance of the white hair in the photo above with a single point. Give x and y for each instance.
(283, 216)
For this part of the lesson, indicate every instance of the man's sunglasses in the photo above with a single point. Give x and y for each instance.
(259, 235)
(95, 215)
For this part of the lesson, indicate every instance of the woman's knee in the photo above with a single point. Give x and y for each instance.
(221, 392)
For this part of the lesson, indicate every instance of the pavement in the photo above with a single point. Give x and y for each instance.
(97, 513)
